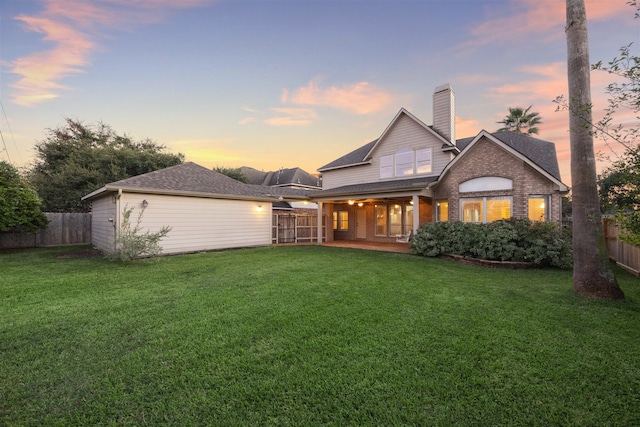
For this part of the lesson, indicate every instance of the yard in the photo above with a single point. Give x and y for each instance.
(309, 335)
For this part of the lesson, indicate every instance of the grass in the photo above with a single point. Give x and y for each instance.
(309, 336)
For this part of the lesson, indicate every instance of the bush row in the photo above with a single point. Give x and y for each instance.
(542, 243)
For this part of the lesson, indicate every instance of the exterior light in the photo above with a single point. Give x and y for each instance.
(259, 207)
(360, 204)
(351, 202)
(145, 204)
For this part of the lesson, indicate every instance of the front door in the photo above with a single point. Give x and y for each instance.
(361, 224)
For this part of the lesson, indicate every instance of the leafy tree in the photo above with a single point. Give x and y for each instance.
(592, 275)
(521, 120)
(19, 203)
(77, 159)
(235, 173)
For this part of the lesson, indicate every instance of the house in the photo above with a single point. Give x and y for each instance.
(205, 209)
(415, 173)
(383, 191)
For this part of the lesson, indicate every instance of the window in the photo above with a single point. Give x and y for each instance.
(423, 160)
(381, 220)
(386, 166)
(407, 227)
(335, 220)
(442, 211)
(343, 220)
(538, 208)
(404, 163)
(485, 209)
(395, 219)
(486, 183)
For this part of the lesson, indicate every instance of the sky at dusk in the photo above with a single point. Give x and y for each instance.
(286, 83)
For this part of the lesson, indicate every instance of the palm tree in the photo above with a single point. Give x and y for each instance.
(521, 121)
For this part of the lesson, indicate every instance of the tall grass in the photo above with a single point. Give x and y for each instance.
(309, 336)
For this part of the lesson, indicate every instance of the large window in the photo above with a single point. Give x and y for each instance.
(442, 211)
(485, 209)
(406, 162)
(341, 220)
(538, 208)
(395, 219)
(407, 226)
(381, 220)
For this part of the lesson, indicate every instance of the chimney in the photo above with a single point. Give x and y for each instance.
(444, 112)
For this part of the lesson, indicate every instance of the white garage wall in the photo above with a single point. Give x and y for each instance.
(103, 217)
(203, 224)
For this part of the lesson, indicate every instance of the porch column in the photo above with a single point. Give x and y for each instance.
(416, 213)
(320, 206)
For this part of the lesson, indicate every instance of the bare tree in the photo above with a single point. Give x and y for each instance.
(592, 275)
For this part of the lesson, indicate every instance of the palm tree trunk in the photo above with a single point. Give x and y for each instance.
(592, 275)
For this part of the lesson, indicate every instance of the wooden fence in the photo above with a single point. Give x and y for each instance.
(63, 229)
(292, 228)
(625, 255)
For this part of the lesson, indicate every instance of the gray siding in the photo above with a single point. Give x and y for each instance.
(103, 217)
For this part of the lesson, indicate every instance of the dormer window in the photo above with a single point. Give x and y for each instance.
(406, 162)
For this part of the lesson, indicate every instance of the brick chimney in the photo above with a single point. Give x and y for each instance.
(444, 112)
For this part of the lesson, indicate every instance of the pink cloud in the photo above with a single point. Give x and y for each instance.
(73, 26)
(540, 17)
(360, 98)
(292, 117)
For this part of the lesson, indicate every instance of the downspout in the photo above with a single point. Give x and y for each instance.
(117, 221)
(320, 206)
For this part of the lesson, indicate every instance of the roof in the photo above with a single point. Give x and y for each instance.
(195, 180)
(282, 177)
(540, 152)
(411, 184)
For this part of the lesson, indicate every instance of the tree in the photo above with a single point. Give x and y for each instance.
(19, 203)
(521, 120)
(591, 273)
(235, 173)
(77, 159)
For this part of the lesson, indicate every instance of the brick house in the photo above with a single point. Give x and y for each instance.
(415, 173)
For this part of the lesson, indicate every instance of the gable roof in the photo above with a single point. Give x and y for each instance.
(539, 154)
(362, 155)
(190, 179)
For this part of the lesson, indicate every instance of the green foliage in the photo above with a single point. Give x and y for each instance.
(235, 173)
(521, 120)
(77, 159)
(19, 203)
(132, 243)
(542, 243)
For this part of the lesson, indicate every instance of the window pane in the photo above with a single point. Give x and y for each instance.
(498, 208)
(395, 219)
(335, 220)
(408, 219)
(472, 210)
(343, 223)
(404, 163)
(423, 160)
(386, 166)
(538, 208)
(442, 211)
(381, 220)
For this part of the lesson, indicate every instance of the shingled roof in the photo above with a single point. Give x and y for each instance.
(353, 158)
(192, 179)
(377, 187)
(281, 177)
(540, 152)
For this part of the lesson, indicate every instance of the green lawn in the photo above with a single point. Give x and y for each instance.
(309, 336)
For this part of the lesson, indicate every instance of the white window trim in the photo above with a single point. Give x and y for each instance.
(484, 206)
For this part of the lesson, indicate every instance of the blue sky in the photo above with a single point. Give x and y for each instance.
(273, 84)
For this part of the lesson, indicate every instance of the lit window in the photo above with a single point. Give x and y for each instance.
(386, 166)
(381, 220)
(423, 160)
(485, 209)
(442, 211)
(538, 208)
(404, 163)
(408, 219)
(343, 220)
(395, 219)
(335, 220)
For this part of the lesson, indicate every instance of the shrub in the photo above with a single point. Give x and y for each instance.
(132, 243)
(542, 243)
